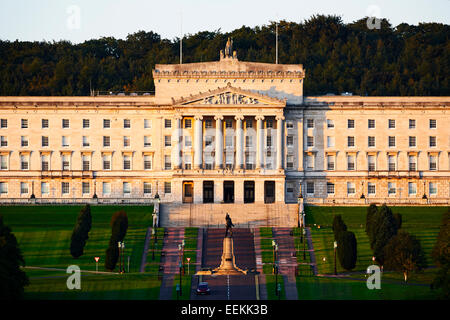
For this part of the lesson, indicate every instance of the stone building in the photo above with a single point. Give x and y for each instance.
(226, 131)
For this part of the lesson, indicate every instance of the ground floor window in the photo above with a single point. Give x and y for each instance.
(147, 188)
(167, 187)
(330, 188)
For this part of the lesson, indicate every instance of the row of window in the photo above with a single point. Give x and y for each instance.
(65, 123)
(85, 187)
(392, 141)
(371, 188)
(371, 123)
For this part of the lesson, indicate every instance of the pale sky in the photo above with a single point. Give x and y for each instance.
(80, 20)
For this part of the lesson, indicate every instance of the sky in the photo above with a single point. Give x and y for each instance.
(80, 20)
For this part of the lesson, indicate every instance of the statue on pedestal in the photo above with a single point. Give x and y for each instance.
(229, 226)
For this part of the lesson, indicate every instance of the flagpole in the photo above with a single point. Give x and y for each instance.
(276, 42)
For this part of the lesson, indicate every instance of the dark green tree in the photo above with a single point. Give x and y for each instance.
(80, 233)
(441, 256)
(12, 278)
(384, 228)
(372, 211)
(119, 226)
(338, 226)
(347, 249)
(404, 253)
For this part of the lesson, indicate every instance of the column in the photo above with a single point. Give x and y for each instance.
(219, 142)
(176, 158)
(239, 143)
(198, 142)
(259, 141)
(280, 119)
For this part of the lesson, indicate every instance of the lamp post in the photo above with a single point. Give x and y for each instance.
(335, 246)
(181, 293)
(273, 255)
(119, 245)
(276, 278)
(180, 265)
(300, 206)
(304, 244)
(182, 257)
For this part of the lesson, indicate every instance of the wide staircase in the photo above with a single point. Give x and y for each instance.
(248, 215)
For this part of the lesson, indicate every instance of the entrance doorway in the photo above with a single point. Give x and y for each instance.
(188, 191)
(269, 191)
(228, 191)
(208, 191)
(249, 191)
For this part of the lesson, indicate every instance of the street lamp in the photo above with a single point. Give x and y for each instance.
(273, 255)
(181, 293)
(335, 246)
(304, 244)
(300, 207)
(182, 257)
(276, 278)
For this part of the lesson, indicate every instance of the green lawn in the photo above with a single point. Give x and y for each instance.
(43, 234)
(271, 284)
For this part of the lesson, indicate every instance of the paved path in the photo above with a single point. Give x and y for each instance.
(287, 260)
(144, 254)
(170, 261)
(312, 255)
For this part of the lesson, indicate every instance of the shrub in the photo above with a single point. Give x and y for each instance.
(119, 226)
(346, 250)
(80, 232)
(338, 226)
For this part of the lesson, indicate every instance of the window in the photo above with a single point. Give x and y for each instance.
(432, 188)
(65, 162)
(106, 123)
(65, 141)
(249, 160)
(371, 163)
(310, 162)
(147, 141)
(412, 163)
(433, 163)
(3, 162)
(24, 123)
(44, 163)
(330, 188)
(167, 162)
(412, 123)
(147, 188)
(44, 141)
(392, 188)
(269, 123)
(187, 162)
(85, 187)
(86, 163)
(167, 141)
(290, 162)
(4, 141)
(351, 188)
(86, 123)
(106, 188)
(126, 141)
(208, 124)
(228, 124)
(310, 141)
(4, 123)
(371, 124)
(371, 188)
(45, 188)
(391, 123)
(330, 162)
(208, 141)
(126, 187)
(147, 123)
(65, 187)
(290, 187)
(290, 140)
(24, 141)
(310, 123)
(249, 124)
(44, 123)
(391, 141)
(310, 187)
(86, 141)
(167, 187)
(24, 162)
(188, 141)
(269, 141)
(350, 124)
(126, 162)
(147, 162)
(106, 141)
(167, 123)
(126, 123)
(3, 187)
(330, 124)
(391, 163)
(412, 141)
(432, 123)
(432, 141)
(371, 142)
(23, 188)
(229, 157)
(350, 141)
(65, 123)
(412, 188)
(330, 142)
(248, 141)
(350, 162)
(106, 162)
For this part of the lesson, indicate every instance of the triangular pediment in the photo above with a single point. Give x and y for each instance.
(229, 95)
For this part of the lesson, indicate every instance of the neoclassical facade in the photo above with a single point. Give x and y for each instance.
(225, 132)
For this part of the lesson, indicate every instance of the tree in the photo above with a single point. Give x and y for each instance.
(347, 250)
(80, 232)
(12, 278)
(372, 210)
(382, 227)
(119, 226)
(441, 256)
(338, 226)
(404, 253)
(398, 220)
